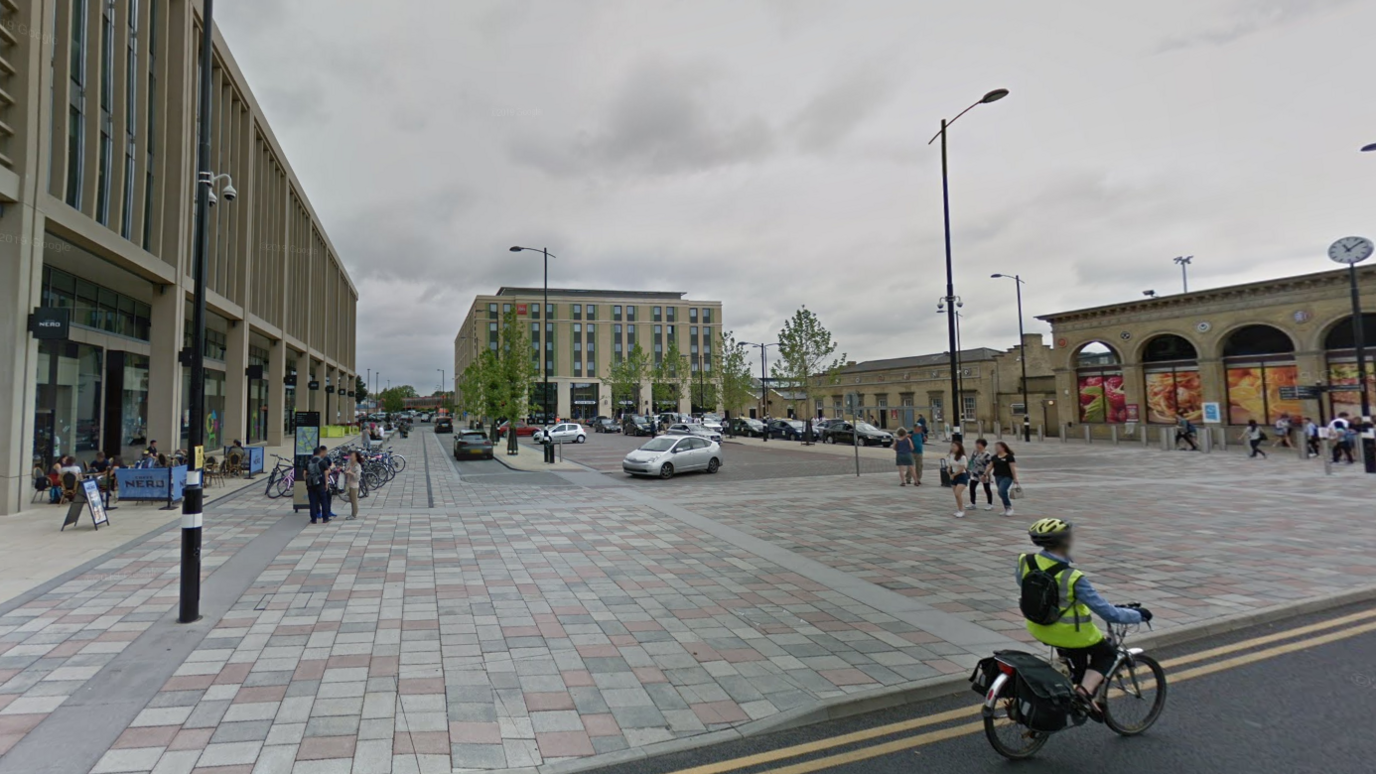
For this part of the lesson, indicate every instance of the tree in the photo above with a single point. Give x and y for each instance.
(625, 377)
(733, 373)
(472, 398)
(393, 399)
(668, 376)
(360, 389)
(805, 363)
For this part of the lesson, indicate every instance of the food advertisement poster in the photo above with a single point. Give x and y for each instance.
(1102, 399)
(1170, 393)
(1254, 393)
(1344, 375)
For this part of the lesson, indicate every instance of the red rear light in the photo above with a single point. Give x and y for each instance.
(1006, 669)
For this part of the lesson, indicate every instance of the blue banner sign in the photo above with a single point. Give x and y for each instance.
(153, 484)
(253, 459)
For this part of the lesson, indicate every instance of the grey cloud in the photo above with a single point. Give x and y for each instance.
(662, 121)
(835, 112)
(1251, 17)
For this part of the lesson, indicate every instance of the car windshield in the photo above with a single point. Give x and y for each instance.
(867, 427)
(659, 444)
(473, 437)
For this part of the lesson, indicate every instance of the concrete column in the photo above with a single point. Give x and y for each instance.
(236, 385)
(277, 393)
(331, 398)
(303, 378)
(21, 273)
(164, 371)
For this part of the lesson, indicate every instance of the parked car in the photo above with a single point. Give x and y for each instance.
(788, 429)
(702, 431)
(472, 444)
(747, 426)
(669, 454)
(712, 421)
(521, 430)
(444, 425)
(846, 432)
(635, 424)
(425, 417)
(605, 425)
(564, 432)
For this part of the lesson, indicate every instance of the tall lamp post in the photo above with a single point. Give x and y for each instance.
(1352, 251)
(764, 386)
(702, 388)
(1022, 355)
(1184, 262)
(942, 308)
(993, 96)
(441, 370)
(189, 608)
(544, 317)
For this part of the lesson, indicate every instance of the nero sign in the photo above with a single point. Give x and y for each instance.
(156, 484)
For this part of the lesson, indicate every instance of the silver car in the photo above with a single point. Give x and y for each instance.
(669, 454)
(699, 430)
(564, 432)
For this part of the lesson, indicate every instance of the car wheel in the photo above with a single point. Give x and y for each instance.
(828, 439)
(666, 471)
(714, 465)
(581, 439)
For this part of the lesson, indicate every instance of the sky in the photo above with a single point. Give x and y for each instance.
(773, 154)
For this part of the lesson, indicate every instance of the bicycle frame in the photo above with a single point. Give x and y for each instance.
(1117, 635)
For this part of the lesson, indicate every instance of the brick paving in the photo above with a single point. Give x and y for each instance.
(524, 620)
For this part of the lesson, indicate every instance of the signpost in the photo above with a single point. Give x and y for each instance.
(1213, 415)
(307, 441)
(90, 491)
(1303, 392)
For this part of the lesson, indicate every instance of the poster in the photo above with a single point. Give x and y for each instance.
(91, 488)
(1102, 398)
(1344, 375)
(1134, 413)
(1254, 393)
(1170, 393)
(1213, 413)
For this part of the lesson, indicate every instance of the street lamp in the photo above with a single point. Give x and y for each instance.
(1352, 251)
(764, 387)
(544, 316)
(1022, 351)
(960, 378)
(1184, 261)
(993, 96)
(189, 608)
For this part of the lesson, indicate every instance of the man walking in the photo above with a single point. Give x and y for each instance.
(317, 486)
(1311, 437)
(1337, 432)
(1184, 431)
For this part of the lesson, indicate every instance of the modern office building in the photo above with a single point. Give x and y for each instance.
(581, 333)
(103, 230)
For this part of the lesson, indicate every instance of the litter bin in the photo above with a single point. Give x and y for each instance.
(549, 451)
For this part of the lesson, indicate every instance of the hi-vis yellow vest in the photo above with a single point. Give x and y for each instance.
(1076, 628)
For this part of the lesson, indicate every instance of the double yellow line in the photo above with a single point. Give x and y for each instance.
(1354, 622)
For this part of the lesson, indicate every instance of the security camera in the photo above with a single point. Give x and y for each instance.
(230, 193)
(213, 198)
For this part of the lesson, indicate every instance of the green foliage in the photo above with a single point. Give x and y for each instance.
(360, 389)
(733, 373)
(805, 363)
(497, 384)
(624, 378)
(668, 377)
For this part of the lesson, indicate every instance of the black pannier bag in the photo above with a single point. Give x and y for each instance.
(1044, 699)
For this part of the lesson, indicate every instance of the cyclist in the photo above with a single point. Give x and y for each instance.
(1073, 633)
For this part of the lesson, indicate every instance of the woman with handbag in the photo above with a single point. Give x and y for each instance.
(957, 464)
(1005, 467)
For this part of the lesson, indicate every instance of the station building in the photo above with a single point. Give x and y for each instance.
(98, 127)
(1220, 356)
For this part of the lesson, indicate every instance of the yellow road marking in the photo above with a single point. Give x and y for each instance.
(921, 740)
(719, 767)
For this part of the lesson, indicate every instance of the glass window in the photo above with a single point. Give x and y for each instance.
(616, 312)
(577, 311)
(616, 330)
(506, 308)
(630, 313)
(693, 332)
(630, 332)
(68, 413)
(491, 311)
(706, 316)
(577, 328)
(659, 330)
(656, 313)
(692, 314)
(592, 311)
(549, 311)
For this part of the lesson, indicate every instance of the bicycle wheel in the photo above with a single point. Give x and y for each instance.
(398, 463)
(272, 485)
(1008, 737)
(1134, 695)
(284, 485)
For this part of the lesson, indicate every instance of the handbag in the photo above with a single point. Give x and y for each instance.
(1016, 492)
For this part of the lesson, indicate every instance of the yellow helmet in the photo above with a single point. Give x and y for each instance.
(1049, 532)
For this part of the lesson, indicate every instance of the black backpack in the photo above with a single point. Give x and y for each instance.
(1041, 592)
(314, 476)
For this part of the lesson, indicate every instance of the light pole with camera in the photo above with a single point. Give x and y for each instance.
(1352, 251)
(1022, 355)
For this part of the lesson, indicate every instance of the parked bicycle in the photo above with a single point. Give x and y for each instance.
(1019, 718)
(281, 478)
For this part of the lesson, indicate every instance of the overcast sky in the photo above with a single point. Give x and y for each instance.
(774, 153)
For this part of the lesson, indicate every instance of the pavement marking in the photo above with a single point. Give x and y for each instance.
(956, 714)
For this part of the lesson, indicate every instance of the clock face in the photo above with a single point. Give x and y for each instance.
(1350, 250)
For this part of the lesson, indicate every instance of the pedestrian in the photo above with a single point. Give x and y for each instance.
(317, 488)
(1005, 470)
(1311, 438)
(99, 464)
(1282, 428)
(152, 449)
(903, 449)
(918, 439)
(1337, 431)
(353, 474)
(921, 429)
(1184, 431)
(957, 465)
(980, 475)
(1254, 435)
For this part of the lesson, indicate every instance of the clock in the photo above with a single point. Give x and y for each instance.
(1203, 326)
(1350, 250)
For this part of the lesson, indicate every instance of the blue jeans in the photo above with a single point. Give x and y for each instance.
(1005, 483)
(318, 496)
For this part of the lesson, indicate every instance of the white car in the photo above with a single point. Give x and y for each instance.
(564, 432)
(669, 454)
(712, 423)
(702, 431)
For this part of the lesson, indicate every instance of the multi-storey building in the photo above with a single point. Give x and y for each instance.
(98, 126)
(580, 334)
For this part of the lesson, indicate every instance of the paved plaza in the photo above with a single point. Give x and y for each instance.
(483, 618)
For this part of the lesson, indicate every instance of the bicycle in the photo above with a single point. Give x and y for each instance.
(1132, 697)
(281, 479)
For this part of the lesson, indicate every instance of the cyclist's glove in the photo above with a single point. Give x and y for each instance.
(1146, 614)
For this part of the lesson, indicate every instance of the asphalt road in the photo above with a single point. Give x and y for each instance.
(1308, 710)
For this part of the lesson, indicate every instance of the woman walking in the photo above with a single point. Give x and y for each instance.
(1004, 467)
(1283, 426)
(979, 475)
(1253, 435)
(353, 474)
(958, 467)
(903, 447)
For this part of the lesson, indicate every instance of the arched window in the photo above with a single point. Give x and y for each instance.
(1099, 376)
(1259, 361)
(1341, 352)
(1171, 376)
